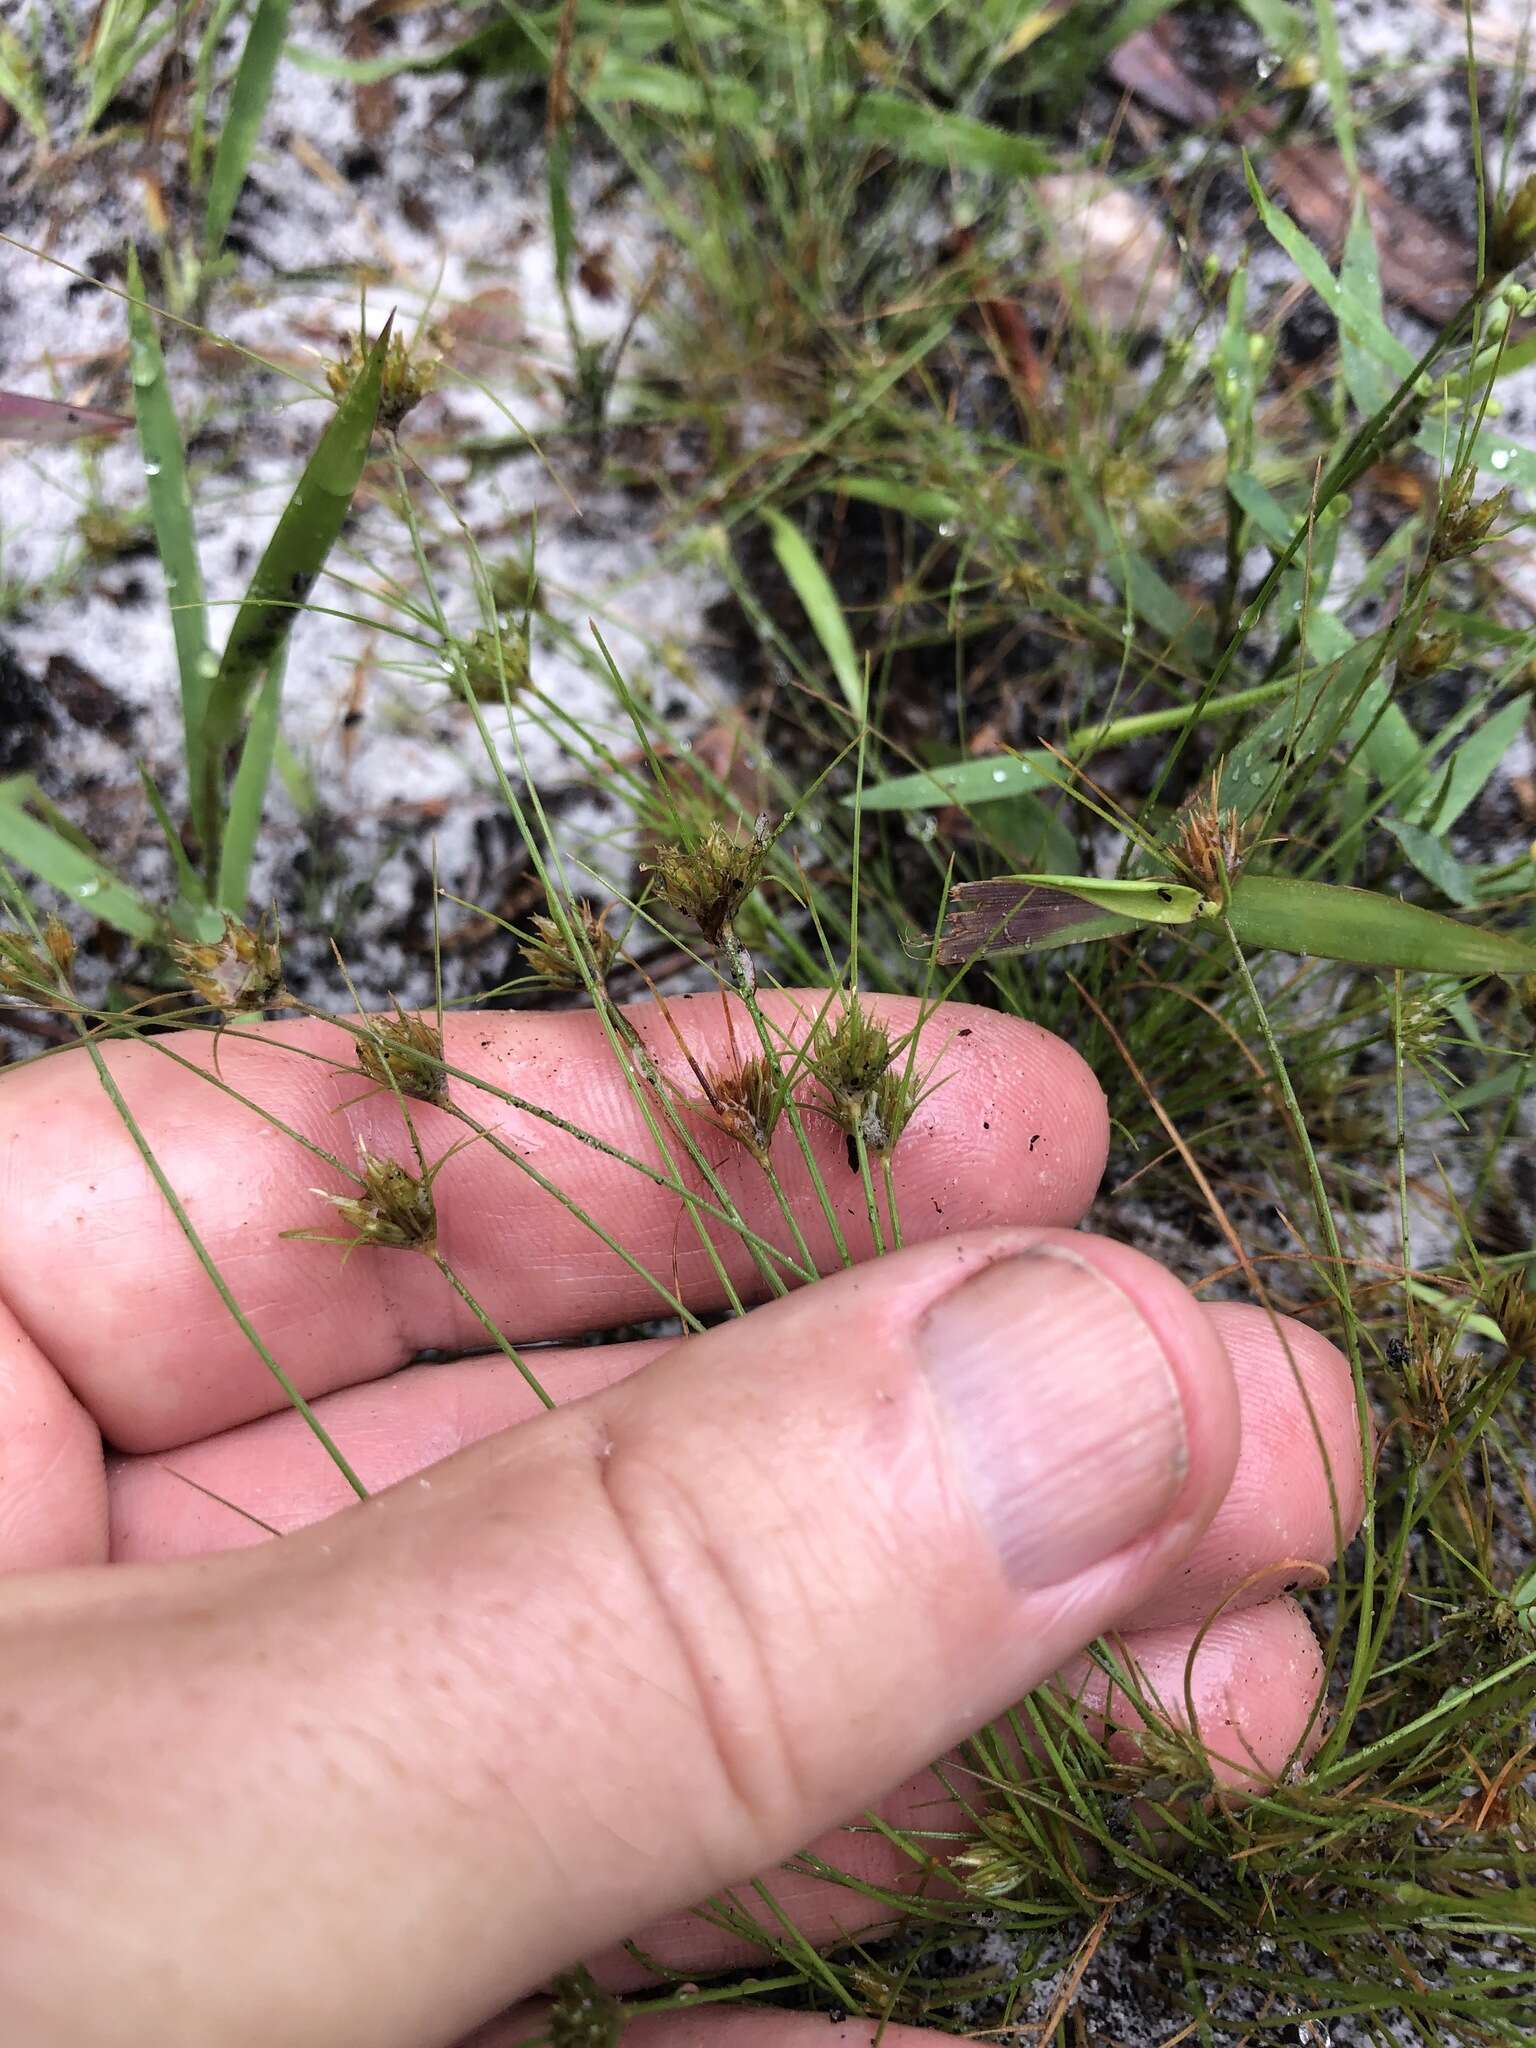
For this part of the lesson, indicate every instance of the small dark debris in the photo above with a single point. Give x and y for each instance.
(1034, 1140)
(89, 701)
(24, 714)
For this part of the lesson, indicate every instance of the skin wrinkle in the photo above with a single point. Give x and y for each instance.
(690, 1626)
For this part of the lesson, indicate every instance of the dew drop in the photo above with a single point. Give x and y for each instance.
(88, 888)
(208, 663)
(1499, 459)
(151, 467)
(999, 774)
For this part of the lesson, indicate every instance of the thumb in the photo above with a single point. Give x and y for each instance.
(384, 1776)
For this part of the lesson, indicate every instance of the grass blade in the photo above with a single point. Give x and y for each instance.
(18, 85)
(811, 585)
(248, 796)
(242, 121)
(294, 557)
(1368, 929)
(67, 867)
(170, 508)
(1470, 767)
(925, 135)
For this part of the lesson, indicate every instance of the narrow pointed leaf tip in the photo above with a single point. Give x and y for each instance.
(40, 420)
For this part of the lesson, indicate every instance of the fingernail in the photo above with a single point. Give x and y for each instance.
(1062, 1409)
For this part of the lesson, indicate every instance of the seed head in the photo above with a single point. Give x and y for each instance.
(242, 970)
(395, 1210)
(1514, 232)
(709, 877)
(32, 972)
(1463, 522)
(583, 2016)
(1513, 1307)
(866, 1094)
(408, 375)
(400, 1054)
(1428, 652)
(748, 1101)
(1001, 1863)
(1211, 844)
(556, 962)
(490, 655)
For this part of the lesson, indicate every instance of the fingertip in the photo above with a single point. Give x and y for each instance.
(1297, 1493)
(1247, 1687)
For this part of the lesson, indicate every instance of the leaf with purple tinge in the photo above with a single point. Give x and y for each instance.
(50, 419)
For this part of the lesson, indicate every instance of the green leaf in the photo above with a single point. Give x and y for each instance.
(1145, 900)
(170, 509)
(1463, 781)
(988, 779)
(924, 135)
(248, 795)
(1435, 862)
(1367, 929)
(1364, 325)
(1150, 596)
(1365, 380)
(65, 866)
(193, 906)
(561, 226)
(286, 573)
(18, 84)
(934, 508)
(243, 118)
(1285, 28)
(815, 592)
(1263, 508)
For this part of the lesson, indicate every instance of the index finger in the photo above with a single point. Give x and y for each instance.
(99, 1274)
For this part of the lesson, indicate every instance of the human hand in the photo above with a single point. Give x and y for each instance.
(375, 1782)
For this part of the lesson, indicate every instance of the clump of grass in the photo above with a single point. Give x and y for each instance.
(1192, 640)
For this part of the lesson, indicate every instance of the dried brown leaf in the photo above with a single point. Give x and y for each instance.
(482, 335)
(36, 420)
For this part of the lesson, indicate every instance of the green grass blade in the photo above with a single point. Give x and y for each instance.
(242, 121)
(933, 508)
(1453, 878)
(561, 220)
(67, 867)
(294, 557)
(1474, 761)
(814, 590)
(925, 135)
(18, 85)
(1371, 930)
(1365, 326)
(248, 794)
(170, 509)
(986, 780)
(194, 898)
